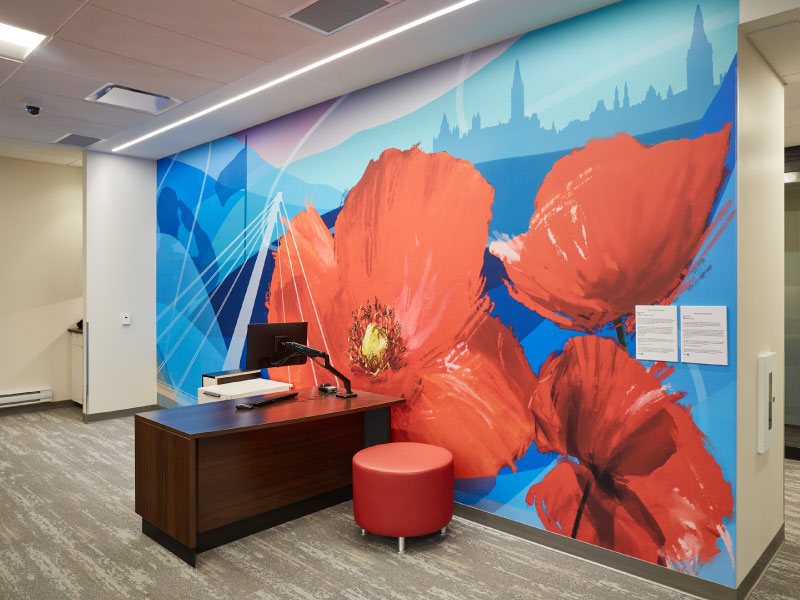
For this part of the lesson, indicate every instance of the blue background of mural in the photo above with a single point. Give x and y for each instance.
(512, 110)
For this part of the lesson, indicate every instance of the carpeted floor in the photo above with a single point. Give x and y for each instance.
(792, 436)
(68, 531)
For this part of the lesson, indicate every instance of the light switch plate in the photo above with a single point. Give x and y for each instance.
(126, 318)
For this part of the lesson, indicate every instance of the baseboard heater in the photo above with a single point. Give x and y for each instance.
(26, 398)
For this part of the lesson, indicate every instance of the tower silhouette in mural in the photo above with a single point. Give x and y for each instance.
(699, 63)
(523, 135)
(517, 97)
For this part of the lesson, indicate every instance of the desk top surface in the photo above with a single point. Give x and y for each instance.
(220, 418)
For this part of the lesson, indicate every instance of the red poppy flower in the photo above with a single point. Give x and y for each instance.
(615, 224)
(397, 301)
(640, 479)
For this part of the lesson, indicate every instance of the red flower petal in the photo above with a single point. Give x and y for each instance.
(412, 234)
(690, 507)
(615, 224)
(655, 492)
(604, 521)
(473, 401)
(399, 244)
(594, 402)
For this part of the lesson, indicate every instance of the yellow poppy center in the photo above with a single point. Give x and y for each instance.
(374, 340)
(374, 345)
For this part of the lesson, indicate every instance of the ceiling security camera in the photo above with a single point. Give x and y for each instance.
(32, 109)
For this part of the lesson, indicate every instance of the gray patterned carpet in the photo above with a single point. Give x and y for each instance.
(792, 436)
(68, 531)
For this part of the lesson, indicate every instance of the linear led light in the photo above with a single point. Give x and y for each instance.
(310, 67)
(17, 43)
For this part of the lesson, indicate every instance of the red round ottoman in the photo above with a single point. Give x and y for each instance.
(403, 489)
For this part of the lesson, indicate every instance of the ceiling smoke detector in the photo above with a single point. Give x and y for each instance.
(125, 97)
(330, 16)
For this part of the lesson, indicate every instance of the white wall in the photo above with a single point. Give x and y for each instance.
(120, 277)
(41, 270)
(759, 480)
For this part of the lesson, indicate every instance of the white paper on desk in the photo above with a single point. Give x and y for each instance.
(657, 333)
(704, 335)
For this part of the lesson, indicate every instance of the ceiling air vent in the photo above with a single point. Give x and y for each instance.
(329, 16)
(125, 97)
(76, 141)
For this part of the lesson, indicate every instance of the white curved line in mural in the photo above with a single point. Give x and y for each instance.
(194, 219)
(236, 346)
(297, 294)
(375, 105)
(239, 253)
(230, 250)
(191, 324)
(305, 278)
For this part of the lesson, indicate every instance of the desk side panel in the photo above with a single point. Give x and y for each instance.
(245, 474)
(165, 476)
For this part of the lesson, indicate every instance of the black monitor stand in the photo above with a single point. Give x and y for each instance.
(314, 353)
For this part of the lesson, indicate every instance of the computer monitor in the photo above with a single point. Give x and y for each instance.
(264, 341)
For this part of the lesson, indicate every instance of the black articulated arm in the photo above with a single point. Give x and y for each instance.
(314, 353)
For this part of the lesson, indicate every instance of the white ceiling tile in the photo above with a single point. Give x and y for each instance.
(780, 46)
(111, 68)
(61, 106)
(41, 16)
(118, 34)
(42, 79)
(221, 22)
(7, 67)
(273, 7)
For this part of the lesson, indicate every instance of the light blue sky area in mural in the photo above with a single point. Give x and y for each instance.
(217, 200)
(649, 48)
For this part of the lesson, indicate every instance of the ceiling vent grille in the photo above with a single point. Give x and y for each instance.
(329, 16)
(125, 97)
(76, 141)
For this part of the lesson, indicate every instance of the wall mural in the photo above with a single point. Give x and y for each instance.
(475, 236)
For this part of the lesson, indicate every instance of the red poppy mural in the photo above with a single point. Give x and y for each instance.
(640, 479)
(616, 224)
(397, 300)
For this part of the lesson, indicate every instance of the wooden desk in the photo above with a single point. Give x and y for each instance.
(210, 474)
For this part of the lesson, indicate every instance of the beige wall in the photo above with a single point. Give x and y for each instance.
(759, 481)
(750, 10)
(41, 273)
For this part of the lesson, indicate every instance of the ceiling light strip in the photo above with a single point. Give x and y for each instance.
(310, 67)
